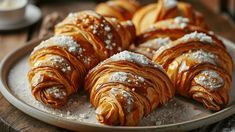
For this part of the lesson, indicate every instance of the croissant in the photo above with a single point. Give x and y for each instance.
(199, 67)
(166, 9)
(126, 87)
(163, 32)
(107, 35)
(120, 9)
(82, 40)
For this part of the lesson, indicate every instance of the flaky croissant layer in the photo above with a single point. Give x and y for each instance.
(126, 87)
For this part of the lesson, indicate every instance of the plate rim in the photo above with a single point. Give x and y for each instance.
(20, 25)
(58, 121)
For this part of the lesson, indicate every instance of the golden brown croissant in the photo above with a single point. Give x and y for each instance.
(82, 40)
(57, 69)
(120, 9)
(165, 9)
(126, 87)
(163, 32)
(107, 35)
(199, 67)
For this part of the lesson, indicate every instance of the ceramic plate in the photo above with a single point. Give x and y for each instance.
(179, 114)
(32, 15)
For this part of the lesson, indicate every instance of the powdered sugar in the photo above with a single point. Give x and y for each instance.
(107, 28)
(209, 79)
(129, 22)
(124, 94)
(56, 92)
(66, 42)
(157, 42)
(168, 4)
(72, 16)
(162, 41)
(199, 36)
(125, 77)
(174, 111)
(183, 67)
(181, 21)
(134, 57)
(55, 61)
(119, 77)
(97, 25)
(63, 41)
(200, 56)
(203, 56)
(109, 43)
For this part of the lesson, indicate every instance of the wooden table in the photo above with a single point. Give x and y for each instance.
(12, 119)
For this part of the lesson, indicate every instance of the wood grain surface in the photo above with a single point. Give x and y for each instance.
(12, 119)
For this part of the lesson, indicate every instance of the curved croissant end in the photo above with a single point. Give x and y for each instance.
(56, 67)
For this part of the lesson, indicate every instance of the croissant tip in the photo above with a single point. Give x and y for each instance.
(107, 114)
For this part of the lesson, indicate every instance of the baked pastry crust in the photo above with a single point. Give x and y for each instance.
(126, 87)
(199, 67)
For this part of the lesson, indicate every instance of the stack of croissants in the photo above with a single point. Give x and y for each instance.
(131, 60)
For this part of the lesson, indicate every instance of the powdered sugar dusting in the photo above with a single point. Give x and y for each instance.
(199, 36)
(124, 94)
(126, 77)
(157, 42)
(203, 56)
(162, 41)
(209, 79)
(55, 61)
(134, 57)
(183, 67)
(72, 16)
(119, 76)
(63, 41)
(129, 22)
(168, 4)
(56, 92)
(66, 42)
(97, 25)
(174, 111)
(181, 21)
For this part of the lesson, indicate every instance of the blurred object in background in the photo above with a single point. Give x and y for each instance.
(231, 7)
(224, 6)
(48, 24)
(213, 5)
